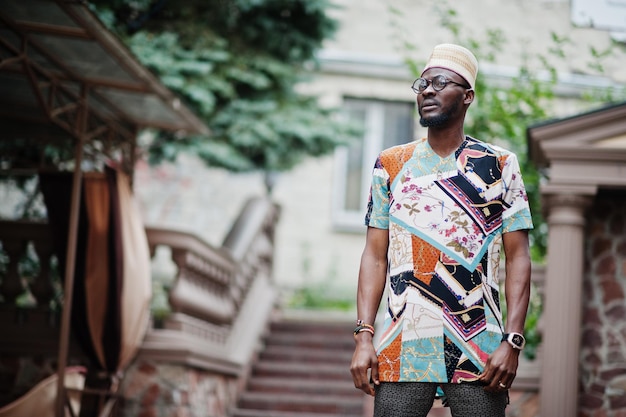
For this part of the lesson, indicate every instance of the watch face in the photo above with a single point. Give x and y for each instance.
(517, 340)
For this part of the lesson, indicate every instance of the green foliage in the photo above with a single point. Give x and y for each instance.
(320, 297)
(33, 153)
(236, 63)
(531, 326)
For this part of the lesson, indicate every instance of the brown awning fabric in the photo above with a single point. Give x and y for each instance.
(112, 289)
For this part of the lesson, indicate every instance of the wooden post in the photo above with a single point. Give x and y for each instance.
(70, 261)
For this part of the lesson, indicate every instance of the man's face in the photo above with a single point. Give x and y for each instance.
(438, 108)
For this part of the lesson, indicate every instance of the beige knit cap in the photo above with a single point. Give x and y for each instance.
(455, 58)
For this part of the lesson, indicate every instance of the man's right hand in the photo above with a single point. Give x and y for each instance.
(364, 359)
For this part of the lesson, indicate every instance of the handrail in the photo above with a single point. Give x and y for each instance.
(204, 274)
(211, 282)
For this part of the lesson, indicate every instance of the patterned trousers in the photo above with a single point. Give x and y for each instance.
(415, 399)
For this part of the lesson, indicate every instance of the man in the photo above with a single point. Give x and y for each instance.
(440, 210)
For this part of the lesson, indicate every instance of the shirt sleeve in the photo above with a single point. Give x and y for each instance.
(378, 203)
(516, 215)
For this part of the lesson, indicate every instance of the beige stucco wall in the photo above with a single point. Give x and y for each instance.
(204, 201)
(527, 26)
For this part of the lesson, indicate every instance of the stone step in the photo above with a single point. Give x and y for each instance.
(303, 371)
(303, 386)
(311, 340)
(341, 328)
(333, 404)
(328, 372)
(306, 354)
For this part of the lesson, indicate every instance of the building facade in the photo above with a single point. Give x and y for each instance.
(362, 72)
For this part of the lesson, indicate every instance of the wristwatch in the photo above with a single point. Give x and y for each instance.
(516, 340)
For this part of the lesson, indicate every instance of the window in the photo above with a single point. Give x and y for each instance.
(385, 124)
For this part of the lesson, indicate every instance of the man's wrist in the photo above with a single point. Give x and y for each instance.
(516, 340)
(363, 336)
(362, 327)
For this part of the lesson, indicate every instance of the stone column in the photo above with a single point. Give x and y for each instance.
(561, 316)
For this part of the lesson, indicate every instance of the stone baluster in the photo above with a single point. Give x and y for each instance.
(12, 286)
(203, 279)
(42, 288)
(15, 237)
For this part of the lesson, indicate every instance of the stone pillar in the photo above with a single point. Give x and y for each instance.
(561, 316)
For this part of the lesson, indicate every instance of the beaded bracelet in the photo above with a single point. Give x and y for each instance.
(361, 326)
(360, 329)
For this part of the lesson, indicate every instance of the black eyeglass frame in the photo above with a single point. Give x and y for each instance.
(440, 80)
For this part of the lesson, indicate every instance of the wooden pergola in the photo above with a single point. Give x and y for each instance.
(64, 76)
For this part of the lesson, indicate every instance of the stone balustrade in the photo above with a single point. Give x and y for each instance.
(220, 300)
(210, 283)
(204, 275)
(18, 238)
(211, 286)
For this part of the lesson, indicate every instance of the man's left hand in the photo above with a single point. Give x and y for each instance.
(501, 368)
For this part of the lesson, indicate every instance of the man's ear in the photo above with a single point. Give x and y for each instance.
(469, 97)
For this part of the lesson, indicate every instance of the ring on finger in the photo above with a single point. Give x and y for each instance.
(501, 385)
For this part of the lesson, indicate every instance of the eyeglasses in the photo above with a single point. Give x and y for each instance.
(439, 82)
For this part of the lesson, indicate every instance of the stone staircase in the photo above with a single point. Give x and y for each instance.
(304, 371)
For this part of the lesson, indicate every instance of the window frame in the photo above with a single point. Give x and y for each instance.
(373, 142)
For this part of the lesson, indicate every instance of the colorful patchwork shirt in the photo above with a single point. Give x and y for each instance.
(445, 217)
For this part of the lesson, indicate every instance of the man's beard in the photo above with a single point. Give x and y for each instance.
(439, 120)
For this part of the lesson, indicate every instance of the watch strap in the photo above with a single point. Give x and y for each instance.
(516, 340)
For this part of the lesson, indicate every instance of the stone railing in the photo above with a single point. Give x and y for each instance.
(220, 300)
(221, 297)
(29, 310)
(17, 239)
